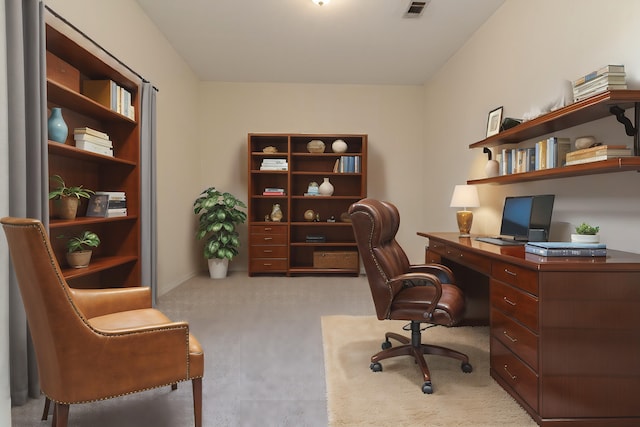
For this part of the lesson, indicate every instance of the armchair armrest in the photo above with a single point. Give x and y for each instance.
(442, 272)
(422, 278)
(98, 302)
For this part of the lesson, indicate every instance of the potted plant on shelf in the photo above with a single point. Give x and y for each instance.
(66, 199)
(78, 252)
(219, 214)
(586, 233)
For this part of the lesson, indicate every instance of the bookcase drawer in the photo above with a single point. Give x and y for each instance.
(515, 275)
(268, 239)
(268, 229)
(515, 303)
(266, 264)
(268, 251)
(515, 337)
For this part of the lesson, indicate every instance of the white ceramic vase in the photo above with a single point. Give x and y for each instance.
(326, 188)
(339, 146)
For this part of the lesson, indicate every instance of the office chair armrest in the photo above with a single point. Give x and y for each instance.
(98, 302)
(420, 279)
(443, 273)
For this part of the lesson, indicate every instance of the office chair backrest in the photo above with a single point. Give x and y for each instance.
(375, 224)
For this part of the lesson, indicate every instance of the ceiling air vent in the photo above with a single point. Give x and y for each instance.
(416, 8)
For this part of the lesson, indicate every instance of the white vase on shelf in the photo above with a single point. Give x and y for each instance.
(326, 188)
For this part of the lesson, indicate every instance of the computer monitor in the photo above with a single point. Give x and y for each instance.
(527, 218)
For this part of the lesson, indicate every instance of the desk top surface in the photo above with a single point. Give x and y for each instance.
(615, 260)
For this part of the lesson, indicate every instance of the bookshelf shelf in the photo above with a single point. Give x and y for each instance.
(587, 110)
(282, 247)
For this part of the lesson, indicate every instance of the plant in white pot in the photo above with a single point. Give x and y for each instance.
(219, 214)
(586, 233)
(78, 252)
(66, 199)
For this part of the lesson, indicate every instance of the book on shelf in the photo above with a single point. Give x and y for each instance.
(274, 164)
(111, 213)
(551, 152)
(607, 69)
(93, 139)
(273, 191)
(599, 150)
(599, 91)
(595, 159)
(110, 95)
(603, 80)
(114, 195)
(566, 249)
(90, 131)
(94, 148)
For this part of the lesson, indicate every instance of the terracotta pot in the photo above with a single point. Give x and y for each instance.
(79, 259)
(66, 207)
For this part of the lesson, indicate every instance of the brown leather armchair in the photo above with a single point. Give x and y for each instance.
(400, 291)
(95, 344)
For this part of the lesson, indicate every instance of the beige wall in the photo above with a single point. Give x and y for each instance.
(518, 60)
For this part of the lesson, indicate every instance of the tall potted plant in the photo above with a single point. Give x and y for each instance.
(66, 199)
(219, 214)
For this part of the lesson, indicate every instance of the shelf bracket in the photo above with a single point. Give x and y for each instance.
(619, 113)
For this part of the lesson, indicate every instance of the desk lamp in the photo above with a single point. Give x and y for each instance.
(464, 196)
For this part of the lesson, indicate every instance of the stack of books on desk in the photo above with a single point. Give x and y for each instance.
(93, 140)
(566, 249)
(609, 77)
(597, 153)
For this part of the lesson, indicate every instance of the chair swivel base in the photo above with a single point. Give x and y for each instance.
(417, 350)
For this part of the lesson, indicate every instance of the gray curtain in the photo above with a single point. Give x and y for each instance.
(148, 212)
(28, 169)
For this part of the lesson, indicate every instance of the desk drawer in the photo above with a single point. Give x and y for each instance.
(437, 247)
(267, 264)
(516, 275)
(515, 337)
(266, 251)
(268, 229)
(268, 239)
(514, 303)
(478, 263)
(519, 376)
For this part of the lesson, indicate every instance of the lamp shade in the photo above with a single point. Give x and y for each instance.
(465, 196)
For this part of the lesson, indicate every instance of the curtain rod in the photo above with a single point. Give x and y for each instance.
(57, 15)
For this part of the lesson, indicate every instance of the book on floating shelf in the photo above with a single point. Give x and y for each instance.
(566, 249)
(607, 69)
(608, 151)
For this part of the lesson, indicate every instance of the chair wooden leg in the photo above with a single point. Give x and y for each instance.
(47, 406)
(60, 415)
(197, 401)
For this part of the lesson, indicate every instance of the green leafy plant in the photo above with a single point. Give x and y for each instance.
(63, 191)
(82, 242)
(585, 228)
(219, 214)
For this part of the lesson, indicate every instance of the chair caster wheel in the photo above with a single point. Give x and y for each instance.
(376, 367)
(466, 368)
(427, 388)
(385, 345)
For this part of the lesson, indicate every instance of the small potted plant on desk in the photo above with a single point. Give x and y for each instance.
(78, 252)
(219, 214)
(586, 233)
(66, 199)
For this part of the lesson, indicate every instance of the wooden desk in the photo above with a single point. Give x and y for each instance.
(565, 332)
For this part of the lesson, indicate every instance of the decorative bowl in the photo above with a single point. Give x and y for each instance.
(584, 142)
(315, 146)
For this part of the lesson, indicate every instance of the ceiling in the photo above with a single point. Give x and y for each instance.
(297, 41)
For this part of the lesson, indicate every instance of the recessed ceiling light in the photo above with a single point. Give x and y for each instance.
(321, 2)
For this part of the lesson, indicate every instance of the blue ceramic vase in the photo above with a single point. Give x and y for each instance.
(56, 126)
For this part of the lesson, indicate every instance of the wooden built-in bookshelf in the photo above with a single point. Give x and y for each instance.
(282, 247)
(116, 262)
(593, 108)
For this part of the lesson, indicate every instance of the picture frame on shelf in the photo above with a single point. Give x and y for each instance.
(98, 205)
(493, 122)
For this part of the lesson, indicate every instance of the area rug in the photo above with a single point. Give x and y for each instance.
(356, 396)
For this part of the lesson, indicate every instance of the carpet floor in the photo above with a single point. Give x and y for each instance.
(359, 397)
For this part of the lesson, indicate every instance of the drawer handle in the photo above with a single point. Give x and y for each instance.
(268, 229)
(509, 336)
(506, 369)
(267, 264)
(267, 251)
(508, 301)
(268, 238)
(506, 270)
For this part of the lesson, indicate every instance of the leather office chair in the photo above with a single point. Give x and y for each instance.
(95, 344)
(400, 291)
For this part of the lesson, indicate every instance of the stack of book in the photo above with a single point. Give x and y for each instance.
(93, 140)
(111, 95)
(116, 204)
(547, 153)
(347, 164)
(273, 191)
(566, 249)
(274, 165)
(597, 153)
(609, 77)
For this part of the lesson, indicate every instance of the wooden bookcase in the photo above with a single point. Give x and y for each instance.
(283, 247)
(593, 108)
(72, 58)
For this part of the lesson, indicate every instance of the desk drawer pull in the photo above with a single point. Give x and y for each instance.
(509, 336)
(506, 369)
(267, 264)
(510, 272)
(508, 301)
(267, 251)
(268, 238)
(268, 229)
